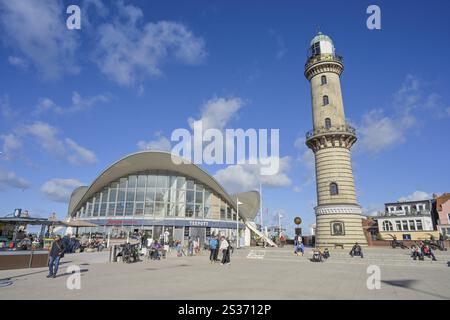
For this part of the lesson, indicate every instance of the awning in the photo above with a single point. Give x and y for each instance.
(77, 223)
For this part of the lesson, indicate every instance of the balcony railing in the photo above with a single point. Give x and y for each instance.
(338, 129)
(324, 57)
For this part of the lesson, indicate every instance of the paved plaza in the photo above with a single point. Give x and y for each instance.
(273, 273)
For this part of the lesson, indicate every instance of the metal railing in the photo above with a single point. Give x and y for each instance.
(338, 129)
(324, 57)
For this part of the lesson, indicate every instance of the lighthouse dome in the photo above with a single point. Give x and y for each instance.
(321, 44)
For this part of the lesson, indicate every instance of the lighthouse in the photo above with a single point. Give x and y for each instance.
(338, 215)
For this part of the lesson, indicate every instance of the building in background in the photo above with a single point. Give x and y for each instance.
(442, 213)
(407, 220)
(338, 214)
(148, 192)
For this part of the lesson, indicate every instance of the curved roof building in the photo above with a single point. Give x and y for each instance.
(156, 191)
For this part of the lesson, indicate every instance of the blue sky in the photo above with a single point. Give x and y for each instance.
(74, 101)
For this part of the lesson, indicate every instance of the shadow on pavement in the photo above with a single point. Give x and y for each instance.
(409, 284)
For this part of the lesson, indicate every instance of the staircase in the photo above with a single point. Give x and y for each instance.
(252, 226)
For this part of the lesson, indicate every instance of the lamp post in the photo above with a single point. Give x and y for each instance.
(279, 223)
(237, 221)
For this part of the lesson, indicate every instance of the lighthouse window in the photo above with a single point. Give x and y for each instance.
(325, 100)
(334, 189)
(323, 80)
(328, 123)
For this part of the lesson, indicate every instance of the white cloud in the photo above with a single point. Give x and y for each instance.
(160, 143)
(127, 51)
(39, 32)
(79, 155)
(217, 112)
(11, 146)
(18, 62)
(373, 209)
(379, 132)
(78, 104)
(241, 178)
(9, 179)
(59, 190)
(416, 196)
(47, 137)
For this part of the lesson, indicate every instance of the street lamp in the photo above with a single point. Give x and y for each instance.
(237, 221)
(279, 223)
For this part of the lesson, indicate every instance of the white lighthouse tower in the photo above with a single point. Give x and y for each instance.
(338, 215)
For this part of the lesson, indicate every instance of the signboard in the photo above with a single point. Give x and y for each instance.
(186, 232)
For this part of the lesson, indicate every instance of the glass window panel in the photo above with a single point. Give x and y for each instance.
(190, 184)
(171, 209)
(150, 194)
(419, 225)
(411, 225)
(130, 195)
(88, 209)
(180, 210)
(114, 185)
(199, 211)
(159, 196)
(163, 182)
(103, 209)
(141, 181)
(399, 225)
(96, 209)
(111, 207)
(181, 183)
(207, 212)
(208, 197)
(112, 195)
(132, 181)
(140, 194)
(160, 208)
(405, 225)
(139, 208)
(149, 207)
(173, 182)
(189, 210)
(123, 183)
(189, 196)
(199, 197)
(181, 196)
(229, 213)
(129, 208)
(198, 187)
(121, 195)
(120, 207)
(104, 196)
(151, 181)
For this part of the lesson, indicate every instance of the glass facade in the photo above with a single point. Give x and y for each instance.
(156, 194)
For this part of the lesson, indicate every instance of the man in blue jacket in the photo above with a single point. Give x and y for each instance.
(213, 249)
(55, 254)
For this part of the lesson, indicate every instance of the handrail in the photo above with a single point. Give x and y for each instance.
(322, 130)
(324, 57)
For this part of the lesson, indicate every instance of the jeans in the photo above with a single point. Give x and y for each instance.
(53, 265)
(225, 256)
(212, 254)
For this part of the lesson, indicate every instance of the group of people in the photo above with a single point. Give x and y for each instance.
(223, 245)
(319, 256)
(421, 250)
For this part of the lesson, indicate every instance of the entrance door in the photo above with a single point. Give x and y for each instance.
(198, 234)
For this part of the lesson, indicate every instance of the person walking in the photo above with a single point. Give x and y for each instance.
(55, 254)
(212, 248)
(224, 247)
(190, 247)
